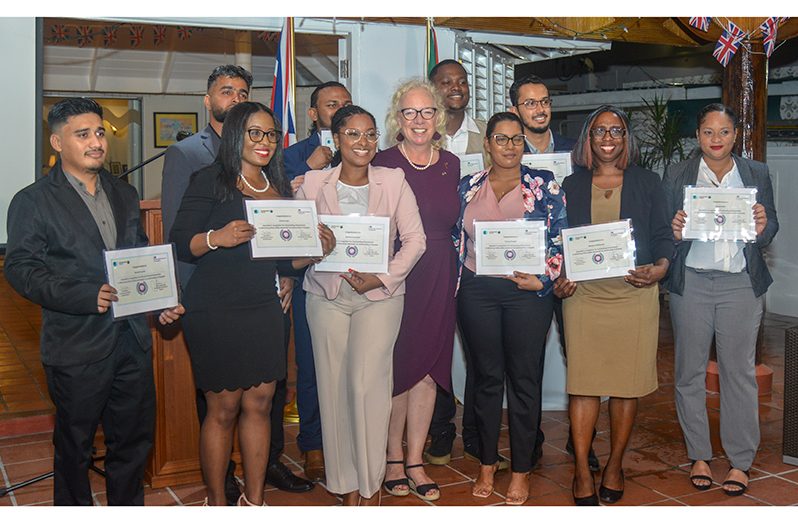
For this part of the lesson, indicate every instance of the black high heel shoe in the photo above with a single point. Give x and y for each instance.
(608, 495)
(587, 501)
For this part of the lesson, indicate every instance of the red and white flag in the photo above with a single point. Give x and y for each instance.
(769, 29)
(283, 88)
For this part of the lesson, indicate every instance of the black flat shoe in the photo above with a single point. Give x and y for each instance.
(391, 485)
(694, 478)
(280, 476)
(587, 501)
(608, 495)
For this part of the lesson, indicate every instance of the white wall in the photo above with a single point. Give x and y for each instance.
(18, 92)
(782, 256)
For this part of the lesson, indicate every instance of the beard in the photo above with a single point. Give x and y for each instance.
(537, 130)
(219, 114)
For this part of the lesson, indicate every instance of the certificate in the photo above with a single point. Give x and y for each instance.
(558, 163)
(471, 163)
(144, 279)
(284, 228)
(719, 214)
(361, 243)
(506, 246)
(599, 251)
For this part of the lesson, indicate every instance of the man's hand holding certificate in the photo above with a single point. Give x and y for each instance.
(505, 247)
(715, 214)
(284, 228)
(598, 251)
(144, 279)
(361, 244)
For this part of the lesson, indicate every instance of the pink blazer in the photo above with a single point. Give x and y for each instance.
(389, 195)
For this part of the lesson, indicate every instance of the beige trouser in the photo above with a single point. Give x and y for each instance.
(353, 341)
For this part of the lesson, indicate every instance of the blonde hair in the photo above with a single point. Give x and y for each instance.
(392, 125)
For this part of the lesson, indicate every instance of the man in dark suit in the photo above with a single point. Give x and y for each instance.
(227, 86)
(531, 101)
(303, 156)
(97, 369)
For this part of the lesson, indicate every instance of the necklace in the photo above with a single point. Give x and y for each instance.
(244, 179)
(413, 164)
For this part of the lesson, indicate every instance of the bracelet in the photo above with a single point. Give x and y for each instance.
(208, 240)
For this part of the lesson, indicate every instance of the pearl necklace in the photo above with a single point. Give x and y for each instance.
(244, 179)
(414, 165)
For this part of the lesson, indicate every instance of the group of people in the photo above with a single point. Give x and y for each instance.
(374, 351)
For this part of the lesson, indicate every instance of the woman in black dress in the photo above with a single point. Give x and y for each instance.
(235, 328)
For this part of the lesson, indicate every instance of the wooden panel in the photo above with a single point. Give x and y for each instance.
(175, 455)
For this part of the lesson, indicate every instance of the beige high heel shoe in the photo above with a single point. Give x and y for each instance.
(244, 502)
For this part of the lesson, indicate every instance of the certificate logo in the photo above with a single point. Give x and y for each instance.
(285, 234)
(598, 258)
(509, 254)
(720, 219)
(351, 251)
(141, 287)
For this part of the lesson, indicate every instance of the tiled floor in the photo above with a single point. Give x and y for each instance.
(656, 464)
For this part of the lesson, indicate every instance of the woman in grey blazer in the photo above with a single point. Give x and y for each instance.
(717, 289)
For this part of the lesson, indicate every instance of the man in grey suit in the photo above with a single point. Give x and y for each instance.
(97, 369)
(227, 86)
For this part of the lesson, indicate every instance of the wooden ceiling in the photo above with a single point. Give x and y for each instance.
(642, 30)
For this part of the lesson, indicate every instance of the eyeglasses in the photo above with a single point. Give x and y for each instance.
(256, 135)
(615, 132)
(503, 139)
(426, 113)
(531, 103)
(355, 134)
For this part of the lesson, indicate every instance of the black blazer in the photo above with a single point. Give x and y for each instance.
(54, 257)
(753, 173)
(642, 200)
(183, 159)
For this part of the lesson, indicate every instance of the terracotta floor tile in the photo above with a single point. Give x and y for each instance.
(460, 494)
(635, 494)
(643, 461)
(715, 497)
(667, 503)
(403, 501)
(26, 452)
(774, 490)
(671, 483)
(558, 498)
(444, 475)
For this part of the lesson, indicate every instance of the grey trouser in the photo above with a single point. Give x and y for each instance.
(720, 304)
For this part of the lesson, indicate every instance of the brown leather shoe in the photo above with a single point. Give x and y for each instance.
(314, 465)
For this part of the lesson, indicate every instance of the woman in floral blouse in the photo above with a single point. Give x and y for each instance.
(505, 319)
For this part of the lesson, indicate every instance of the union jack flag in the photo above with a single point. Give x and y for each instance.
(700, 22)
(59, 32)
(136, 35)
(283, 100)
(159, 34)
(85, 35)
(728, 43)
(184, 33)
(109, 36)
(769, 29)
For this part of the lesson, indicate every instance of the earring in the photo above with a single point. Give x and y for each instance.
(400, 137)
(436, 136)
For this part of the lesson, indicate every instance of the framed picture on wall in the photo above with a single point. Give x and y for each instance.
(116, 168)
(167, 125)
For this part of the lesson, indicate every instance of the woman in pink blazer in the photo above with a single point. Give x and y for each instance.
(354, 318)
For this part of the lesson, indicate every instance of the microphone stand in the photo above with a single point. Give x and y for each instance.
(181, 135)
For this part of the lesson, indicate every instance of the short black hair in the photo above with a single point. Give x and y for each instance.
(442, 63)
(68, 107)
(716, 108)
(230, 71)
(528, 79)
(502, 117)
(314, 96)
(343, 115)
